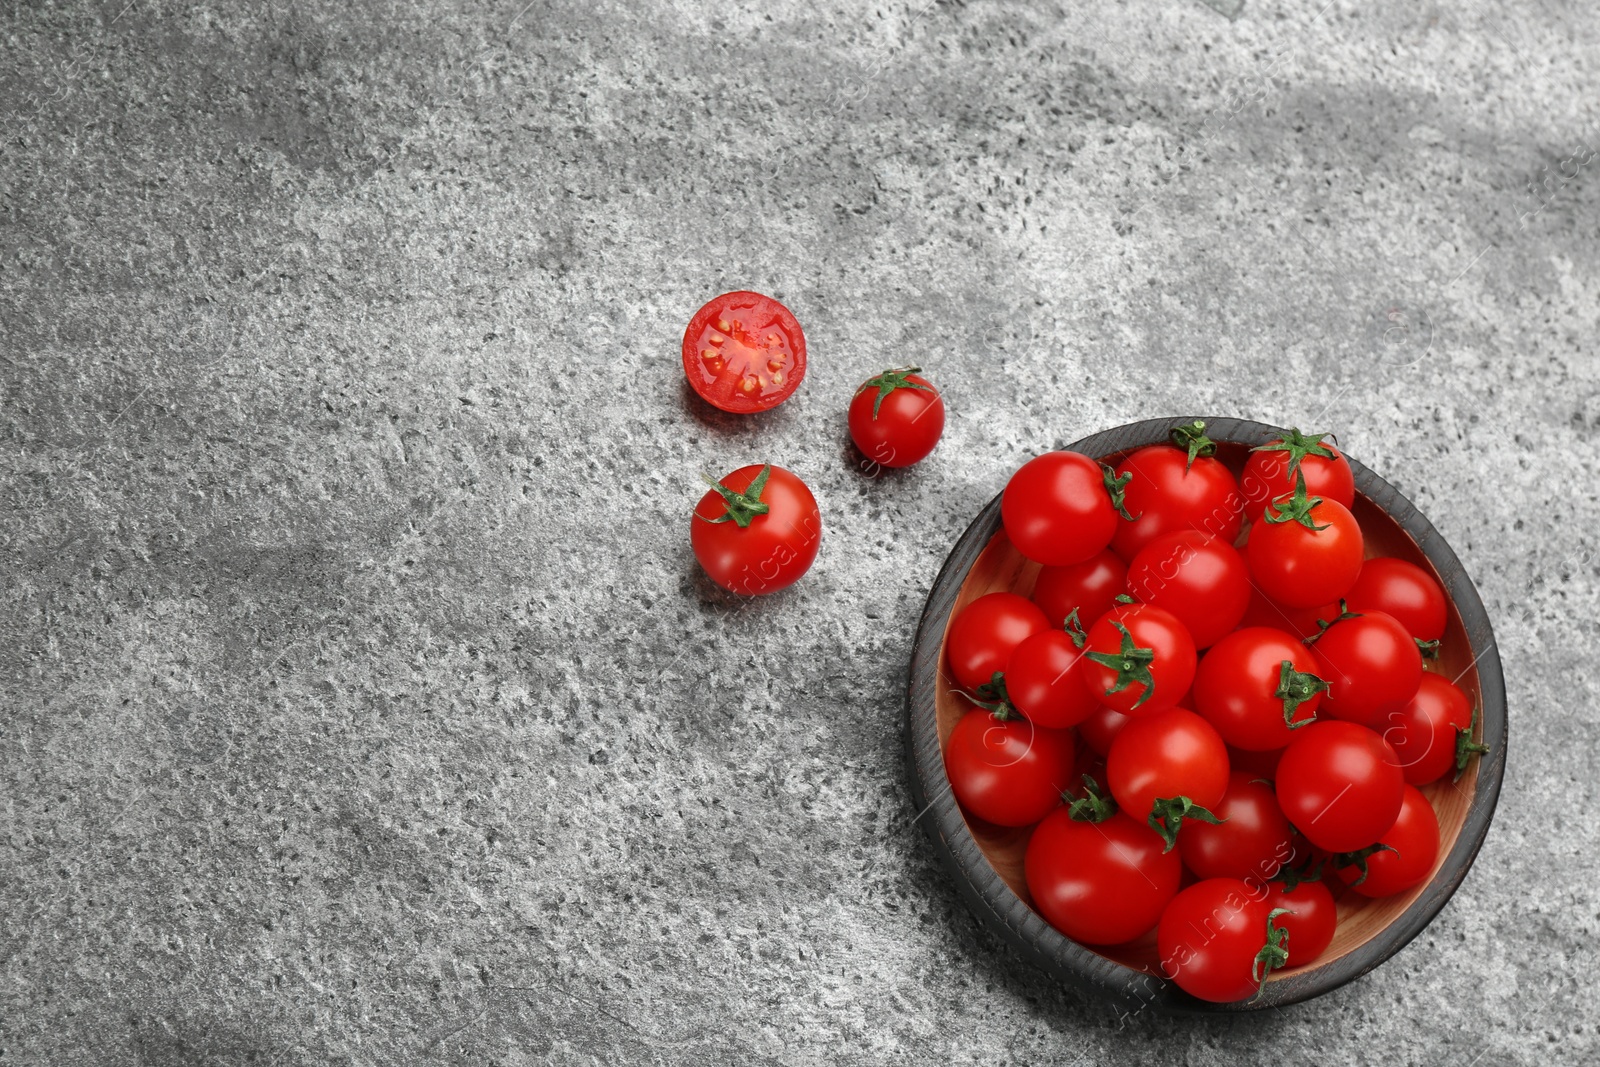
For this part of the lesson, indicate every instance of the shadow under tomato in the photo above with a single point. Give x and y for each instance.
(726, 423)
(866, 467)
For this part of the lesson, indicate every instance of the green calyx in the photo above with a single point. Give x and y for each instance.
(1118, 488)
(1274, 954)
(992, 696)
(1295, 688)
(1466, 747)
(1299, 445)
(1296, 508)
(1131, 663)
(1074, 627)
(742, 507)
(1094, 806)
(1167, 815)
(1324, 625)
(1358, 859)
(889, 381)
(1191, 437)
(1429, 649)
(1309, 871)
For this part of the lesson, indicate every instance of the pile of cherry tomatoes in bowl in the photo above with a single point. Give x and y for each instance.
(1211, 716)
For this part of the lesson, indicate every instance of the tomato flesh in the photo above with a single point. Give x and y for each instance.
(744, 352)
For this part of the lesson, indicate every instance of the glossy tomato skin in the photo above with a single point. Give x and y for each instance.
(1301, 622)
(774, 550)
(1042, 680)
(1236, 683)
(1311, 922)
(1403, 591)
(1089, 588)
(1340, 785)
(1164, 755)
(1101, 728)
(1100, 883)
(983, 635)
(906, 426)
(1252, 842)
(1267, 477)
(1056, 509)
(1414, 838)
(1300, 567)
(744, 352)
(1372, 667)
(1199, 578)
(1423, 731)
(1172, 670)
(1164, 497)
(1008, 772)
(1208, 939)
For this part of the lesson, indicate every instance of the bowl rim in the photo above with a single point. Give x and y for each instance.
(1000, 909)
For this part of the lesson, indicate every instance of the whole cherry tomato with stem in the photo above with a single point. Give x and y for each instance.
(1372, 666)
(1142, 659)
(1088, 588)
(1176, 487)
(1005, 769)
(744, 352)
(1425, 732)
(1257, 686)
(1042, 677)
(1252, 840)
(1402, 858)
(1306, 550)
(1403, 591)
(1061, 508)
(1097, 875)
(1199, 578)
(756, 531)
(1340, 785)
(1218, 940)
(1272, 469)
(1310, 912)
(983, 635)
(896, 418)
(1168, 767)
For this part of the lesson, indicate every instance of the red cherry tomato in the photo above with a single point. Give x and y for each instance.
(1099, 883)
(1340, 785)
(896, 418)
(1404, 591)
(1372, 667)
(1101, 728)
(761, 534)
(1163, 756)
(1301, 622)
(1413, 846)
(1253, 841)
(1089, 588)
(1242, 688)
(1424, 731)
(1299, 566)
(983, 635)
(1210, 937)
(1141, 659)
(1269, 473)
(1007, 771)
(1200, 579)
(1057, 509)
(744, 352)
(1312, 919)
(1042, 680)
(1168, 493)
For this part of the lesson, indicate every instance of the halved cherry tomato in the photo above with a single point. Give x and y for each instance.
(1007, 771)
(1305, 550)
(1199, 578)
(1243, 688)
(1252, 842)
(1089, 588)
(758, 532)
(1058, 508)
(1142, 659)
(744, 352)
(896, 418)
(1216, 941)
(1269, 473)
(1180, 487)
(1340, 785)
(1406, 856)
(1424, 731)
(983, 635)
(1042, 680)
(1403, 590)
(1372, 667)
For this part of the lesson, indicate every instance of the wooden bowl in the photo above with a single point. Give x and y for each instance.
(986, 861)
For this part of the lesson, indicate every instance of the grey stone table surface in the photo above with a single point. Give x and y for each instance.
(362, 700)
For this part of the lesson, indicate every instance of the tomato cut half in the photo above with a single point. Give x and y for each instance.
(744, 352)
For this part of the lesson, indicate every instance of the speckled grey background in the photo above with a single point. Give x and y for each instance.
(362, 701)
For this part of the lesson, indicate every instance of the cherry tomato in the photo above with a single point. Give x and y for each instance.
(1305, 551)
(1301, 622)
(1210, 938)
(983, 635)
(1424, 731)
(1101, 883)
(1142, 659)
(1101, 728)
(1372, 666)
(1312, 919)
(1007, 771)
(1340, 785)
(1157, 758)
(1200, 579)
(1403, 590)
(1413, 846)
(1089, 588)
(896, 418)
(744, 352)
(758, 532)
(1042, 680)
(1270, 471)
(1176, 488)
(1057, 509)
(1243, 688)
(1253, 841)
